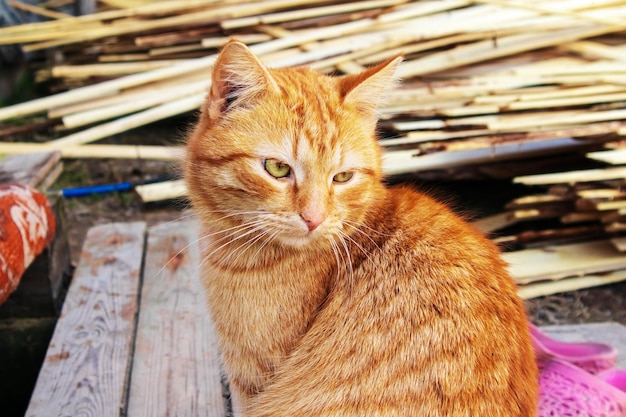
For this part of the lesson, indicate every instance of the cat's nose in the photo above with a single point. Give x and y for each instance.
(312, 220)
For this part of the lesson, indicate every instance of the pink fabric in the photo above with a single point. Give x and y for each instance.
(568, 391)
(592, 357)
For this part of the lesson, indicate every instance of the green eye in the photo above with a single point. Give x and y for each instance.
(343, 176)
(276, 168)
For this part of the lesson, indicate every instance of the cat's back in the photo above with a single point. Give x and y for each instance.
(427, 233)
(426, 323)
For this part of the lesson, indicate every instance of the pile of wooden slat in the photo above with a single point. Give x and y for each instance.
(482, 80)
(569, 234)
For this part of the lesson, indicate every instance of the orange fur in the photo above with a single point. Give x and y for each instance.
(341, 299)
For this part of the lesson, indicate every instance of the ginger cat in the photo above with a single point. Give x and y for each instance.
(332, 295)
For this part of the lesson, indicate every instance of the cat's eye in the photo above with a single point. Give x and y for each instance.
(343, 176)
(276, 168)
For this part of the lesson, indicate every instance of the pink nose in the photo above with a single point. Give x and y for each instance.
(312, 221)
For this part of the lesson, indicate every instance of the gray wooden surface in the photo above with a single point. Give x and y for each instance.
(36, 170)
(176, 367)
(86, 366)
(112, 355)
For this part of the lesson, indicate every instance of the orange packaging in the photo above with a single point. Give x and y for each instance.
(26, 227)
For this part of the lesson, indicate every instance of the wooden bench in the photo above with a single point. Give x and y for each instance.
(134, 337)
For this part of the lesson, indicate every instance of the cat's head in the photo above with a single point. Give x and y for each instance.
(289, 154)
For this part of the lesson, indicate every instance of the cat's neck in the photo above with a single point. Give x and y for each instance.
(252, 253)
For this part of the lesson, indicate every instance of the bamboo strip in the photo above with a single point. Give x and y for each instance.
(272, 18)
(169, 50)
(176, 37)
(53, 4)
(597, 67)
(140, 92)
(551, 11)
(104, 88)
(65, 38)
(42, 11)
(123, 58)
(113, 86)
(252, 38)
(149, 100)
(422, 8)
(139, 119)
(110, 69)
(161, 8)
(552, 93)
(596, 50)
(485, 50)
(166, 153)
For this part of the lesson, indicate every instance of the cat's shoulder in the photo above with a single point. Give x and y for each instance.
(418, 214)
(410, 204)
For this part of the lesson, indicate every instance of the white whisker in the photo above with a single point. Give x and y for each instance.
(361, 248)
(357, 229)
(348, 257)
(244, 247)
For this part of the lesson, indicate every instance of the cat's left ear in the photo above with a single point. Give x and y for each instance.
(366, 89)
(239, 78)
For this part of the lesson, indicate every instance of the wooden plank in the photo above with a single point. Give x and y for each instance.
(570, 177)
(509, 218)
(176, 369)
(613, 157)
(619, 243)
(556, 262)
(539, 289)
(404, 161)
(160, 191)
(86, 366)
(30, 169)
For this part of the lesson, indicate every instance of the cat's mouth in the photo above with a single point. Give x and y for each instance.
(298, 235)
(300, 238)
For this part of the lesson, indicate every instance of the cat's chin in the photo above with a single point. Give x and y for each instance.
(299, 242)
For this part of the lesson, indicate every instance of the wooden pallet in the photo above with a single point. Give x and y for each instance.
(134, 337)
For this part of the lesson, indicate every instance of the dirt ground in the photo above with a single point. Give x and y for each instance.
(601, 304)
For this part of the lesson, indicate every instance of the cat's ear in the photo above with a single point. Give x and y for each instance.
(366, 89)
(239, 77)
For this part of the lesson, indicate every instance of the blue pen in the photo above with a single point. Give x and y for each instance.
(104, 188)
(95, 189)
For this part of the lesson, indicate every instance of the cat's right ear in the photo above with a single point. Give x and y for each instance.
(239, 77)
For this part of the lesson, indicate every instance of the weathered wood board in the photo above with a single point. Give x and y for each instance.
(556, 262)
(538, 289)
(176, 369)
(86, 367)
(36, 170)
